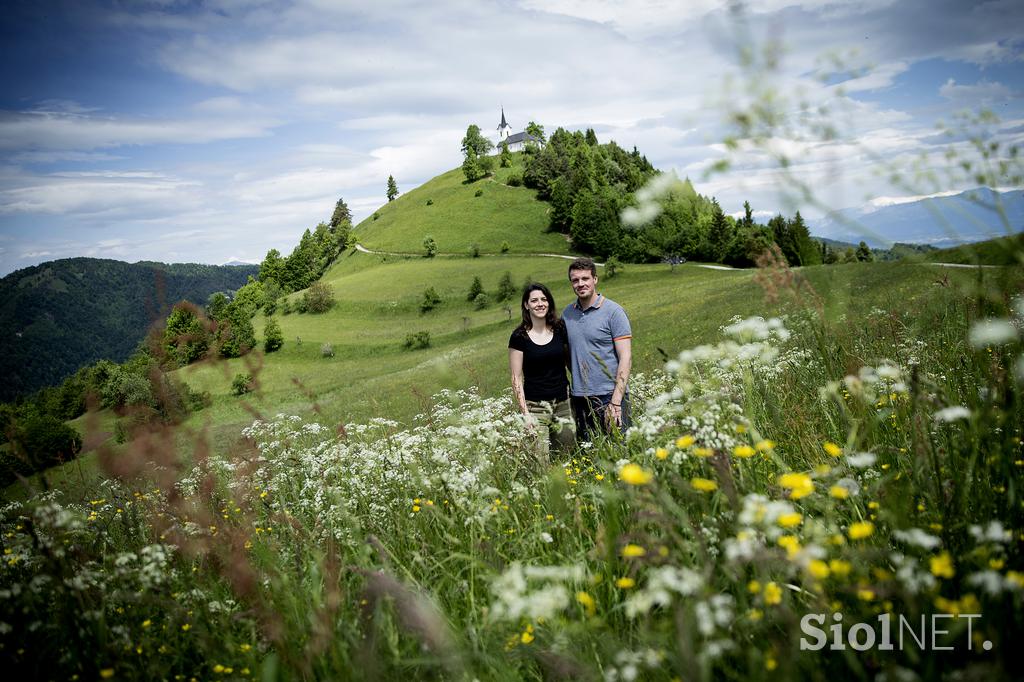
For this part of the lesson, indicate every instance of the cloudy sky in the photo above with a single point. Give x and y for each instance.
(211, 130)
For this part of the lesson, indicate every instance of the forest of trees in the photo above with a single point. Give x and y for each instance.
(589, 184)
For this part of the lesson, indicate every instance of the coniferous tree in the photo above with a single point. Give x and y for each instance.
(392, 188)
(341, 214)
(475, 289)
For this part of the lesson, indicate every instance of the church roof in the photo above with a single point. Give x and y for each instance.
(503, 124)
(521, 137)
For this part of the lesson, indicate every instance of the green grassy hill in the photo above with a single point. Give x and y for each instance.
(458, 219)
(371, 375)
(1001, 251)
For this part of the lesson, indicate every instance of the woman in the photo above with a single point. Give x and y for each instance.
(537, 354)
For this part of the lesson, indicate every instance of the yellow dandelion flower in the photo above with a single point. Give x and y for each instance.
(743, 451)
(861, 530)
(705, 485)
(791, 520)
(625, 583)
(599, 477)
(840, 568)
(740, 428)
(791, 544)
(630, 551)
(832, 449)
(527, 635)
(415, 508)
(218, 668)
(764, 445)
(872, 505)
(772, 594)
(819, 569)
(685, 441)
(661, 453)
(753, 587)
(800, 485)
(942, 565)
(634, 474)
(703, 452)
(587, 602)
(839, 492)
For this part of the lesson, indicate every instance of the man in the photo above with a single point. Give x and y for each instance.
(600, 342)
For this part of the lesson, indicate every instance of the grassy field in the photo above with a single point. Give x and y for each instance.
(457, 219)
(856, 456)
(1003, 251)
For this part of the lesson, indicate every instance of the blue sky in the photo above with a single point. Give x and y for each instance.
(206, 131)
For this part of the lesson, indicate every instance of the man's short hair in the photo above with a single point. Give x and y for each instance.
(583, 264)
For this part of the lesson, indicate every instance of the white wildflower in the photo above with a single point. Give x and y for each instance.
(992, 332)
(951, 414)
(861, 460)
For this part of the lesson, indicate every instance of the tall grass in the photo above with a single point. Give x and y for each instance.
(861, 465)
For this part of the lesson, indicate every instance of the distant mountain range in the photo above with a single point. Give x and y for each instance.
(940, 221)
(61, 315)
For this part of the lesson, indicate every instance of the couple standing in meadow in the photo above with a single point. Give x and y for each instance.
(593, 339)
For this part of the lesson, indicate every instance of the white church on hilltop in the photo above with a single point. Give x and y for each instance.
(516, 141)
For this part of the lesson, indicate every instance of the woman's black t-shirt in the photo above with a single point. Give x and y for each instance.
(544, 373)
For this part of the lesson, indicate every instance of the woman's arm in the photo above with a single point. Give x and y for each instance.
(515, 365)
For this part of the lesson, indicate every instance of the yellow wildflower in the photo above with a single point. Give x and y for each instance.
(942, 565)
(753, 587)
(755, 614)
(587, 602)
(703, 452)
(832, 449)
(791, 543)
(819, 569)
(634, 474)
(743, 451)
(770, 663)
(772, 594)
(685, 441)
(790, 520)
(661, 453)
(703, 484)
(218, 668)
(839, 492)
(625, 583)
(527, 635)
(1015, 577)
(764, 445)
(865, 594)
(861, 530)
(800, 485)
(631, 550)
(840, 567)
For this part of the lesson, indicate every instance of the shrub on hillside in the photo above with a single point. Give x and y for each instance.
(318, 298)
(273, 338)
(430, 202)
(416, 341)
(242, 384)
(431, 299)
(475, 289)
(478, 193)
(481, 301)
(429, 247)
(506, 289)
(514, 180)
(474, 251)
(505, 247)
(40, 441)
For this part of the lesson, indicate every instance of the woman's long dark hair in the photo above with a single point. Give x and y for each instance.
(551, 318)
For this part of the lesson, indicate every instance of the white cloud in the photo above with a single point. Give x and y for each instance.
(983, 92)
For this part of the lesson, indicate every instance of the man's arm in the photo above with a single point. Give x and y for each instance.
(624, 350)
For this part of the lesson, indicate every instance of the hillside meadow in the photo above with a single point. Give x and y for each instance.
(841, 444)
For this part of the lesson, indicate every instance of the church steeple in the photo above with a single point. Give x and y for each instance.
(503, 127)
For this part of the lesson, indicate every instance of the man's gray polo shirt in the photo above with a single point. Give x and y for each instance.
(592, 336)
